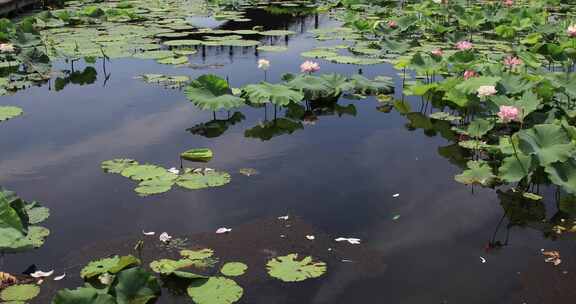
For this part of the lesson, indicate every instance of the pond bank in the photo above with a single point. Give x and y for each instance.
(9, 6)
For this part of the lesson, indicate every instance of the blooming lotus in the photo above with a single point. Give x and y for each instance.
(469, 74)
(464, 45)
(512, 61)
(309, 67)
(508, 113)
(508, 2)
(392, 24)
(165, 237)
(438, 52)
(485, 91)
(6, 48)
(263, 64)
(571, 30)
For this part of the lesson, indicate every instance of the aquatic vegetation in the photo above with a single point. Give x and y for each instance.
(8, 112)
(233, 269)
(198, 154)
(210, 92)
(215, 290)
(156, 180)
(111, 265)
(19, 293)
(290, 268)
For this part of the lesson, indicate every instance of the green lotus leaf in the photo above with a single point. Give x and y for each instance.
(210, 92)
(200, 154)
(117, 165)
(479, 127)
(514, 168)
(272, 48)
(215, 290)
(135, 286)
(173, 267)
(83, 295)
(478, 172)
(23, 292)
(155, 186)
(36, 213)
(471, 85)
(200, 180)
(277, 94)
(563, 174)
(549, 143)
(183, 42)
(380, 85)
(108, 265)
(270, 129)
(13, 219)
(319, 53)
(289, 269)
(234, 269)
(174, 60)
(157, 54)
(197, 254)
(277, 33)
(444, 116)
(145, 172)
(344, 59)
(8, 112)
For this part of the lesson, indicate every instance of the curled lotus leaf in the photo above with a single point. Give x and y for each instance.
(200, 180)
(117, 165)
(19, 293)
(289, 268)
(215, 290)
(199, 154)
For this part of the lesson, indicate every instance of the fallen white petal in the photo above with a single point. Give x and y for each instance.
(223, 230)
(148, 233)
(58, 278)
(483, 260)
(284, 218)
(353, 241)
(174, 170)
(310, 237)
(396, 195)
(41, 274)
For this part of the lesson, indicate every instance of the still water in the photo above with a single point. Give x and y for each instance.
(336, 173)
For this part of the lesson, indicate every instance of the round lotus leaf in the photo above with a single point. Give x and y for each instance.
(117, 165)
(289, 269)
(234, 269)
(201, 180)
(215, 290)
(34, 239)
(189, 42)
(8, 112)
(145, 172)
(159, 54)
(272, 48)
(277, 33)
(174, 60)
(154, 186)
(22, 292)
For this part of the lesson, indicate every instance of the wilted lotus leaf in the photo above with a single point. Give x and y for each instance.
(215, 290)
(36, 213)
(289, 269)
(108, 265)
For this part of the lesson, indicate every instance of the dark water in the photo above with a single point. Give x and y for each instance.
(337, 177)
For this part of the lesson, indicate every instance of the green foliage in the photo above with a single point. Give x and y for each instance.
(478, 172)
(233, 269)
(215, 290)
(8, 112)
(19, 293)
(199, 154)
(277, 94)
(111, 265)
(210, 92)
(289, 268)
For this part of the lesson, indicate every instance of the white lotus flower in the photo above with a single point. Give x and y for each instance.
(223, 230)
(6, 47)
(353, 241)
(165, 237)
(58, 278)
(41, 274)
(106, 278)
(263, 64)
(485, 91)
(174, 170)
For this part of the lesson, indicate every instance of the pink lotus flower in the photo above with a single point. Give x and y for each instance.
(392, 24)
(469, 74)
(464, 45)
(6, 48)
(309, 67)
(571, 30)
(508, 3)
(512, 61)
(438, 52)
(508, 113)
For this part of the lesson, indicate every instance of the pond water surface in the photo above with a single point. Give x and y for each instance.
(336, 173)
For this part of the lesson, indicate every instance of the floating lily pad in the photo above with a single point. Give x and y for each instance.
(234, 269)
(289, 269)
(200, 180)
(117, 165)
(108, 265)
(197, 254)
(215, 290)
(19, 293)
(145, 172)
(272, 48)
(8, 112)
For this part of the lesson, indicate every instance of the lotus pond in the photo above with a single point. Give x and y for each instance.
(330, 151)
